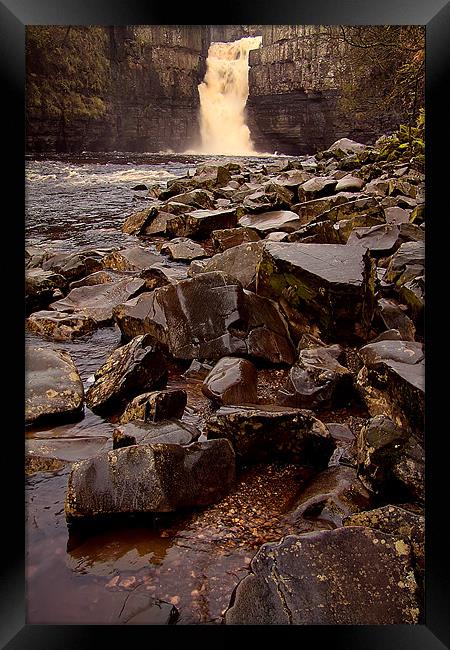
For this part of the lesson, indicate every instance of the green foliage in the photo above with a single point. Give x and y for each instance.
(67, 71)
(405, 145)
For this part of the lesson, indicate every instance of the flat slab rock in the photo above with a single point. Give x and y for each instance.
(59, 325)
(139, 365)
(347, 576)
(331, 282)
(239, 262)
(53, 387)
(67, 449)
(182, 248)
(98, 301)
(392, 382)
(135, 258)
(263, 431)
(150, 479)
(208, 317)
(144, 433)
(284, 220)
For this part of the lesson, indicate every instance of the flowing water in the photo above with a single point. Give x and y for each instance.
(223, 96)
(131, 571)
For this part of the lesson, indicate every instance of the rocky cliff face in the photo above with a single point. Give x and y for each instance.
(293, 92)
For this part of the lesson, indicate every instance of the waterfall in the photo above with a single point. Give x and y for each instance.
(223, 95)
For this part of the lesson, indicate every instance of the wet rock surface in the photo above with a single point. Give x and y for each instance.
(390, 461)
(150, 478)
(292, 581)
(356, 279)
(208, 317)
(232, 381)
(156, 405)
(392, 382)
(334, 283)
(146, 432)
(134, 367)
(262, 432)
(317, 379)
(53, 388)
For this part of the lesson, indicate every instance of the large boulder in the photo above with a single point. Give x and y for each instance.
(239, 262)
(224, 239)
(267, 222)
(391, 463)
(156, 405)
(60, 326)
(208, 317)
(329, 497)
(332, 284)
(262, 432)
(137, 222)
(53, 388)
(135, 367)
(143, 433)
(232, 381)
(381, 240)
(395, 520)
(74, 266)
(344, 147)
(393, 316)
(309, 210)
(392, 382)
(40, 286)
(131, 259)
(316, 188)
(199, 224)
(347, 576)
(182, 248)
(98, 301)
(150, 479)
(317, 379)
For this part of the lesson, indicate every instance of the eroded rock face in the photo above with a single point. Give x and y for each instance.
(293, 581)
(98, 301)
(260, 432)
(392, 382)
(208, 317)
(150, 478)
(144, 433)
(156, 405)
(139, 365)
(60, 326)
(53, 388)
(331, 283)
(232, 381)
(331, 496)
(391, 462)
(317, 379)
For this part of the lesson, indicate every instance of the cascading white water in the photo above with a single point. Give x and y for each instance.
(223, 95)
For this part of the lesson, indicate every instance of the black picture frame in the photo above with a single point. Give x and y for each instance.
(14, 16)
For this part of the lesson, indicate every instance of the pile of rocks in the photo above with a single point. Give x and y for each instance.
(315, 266)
